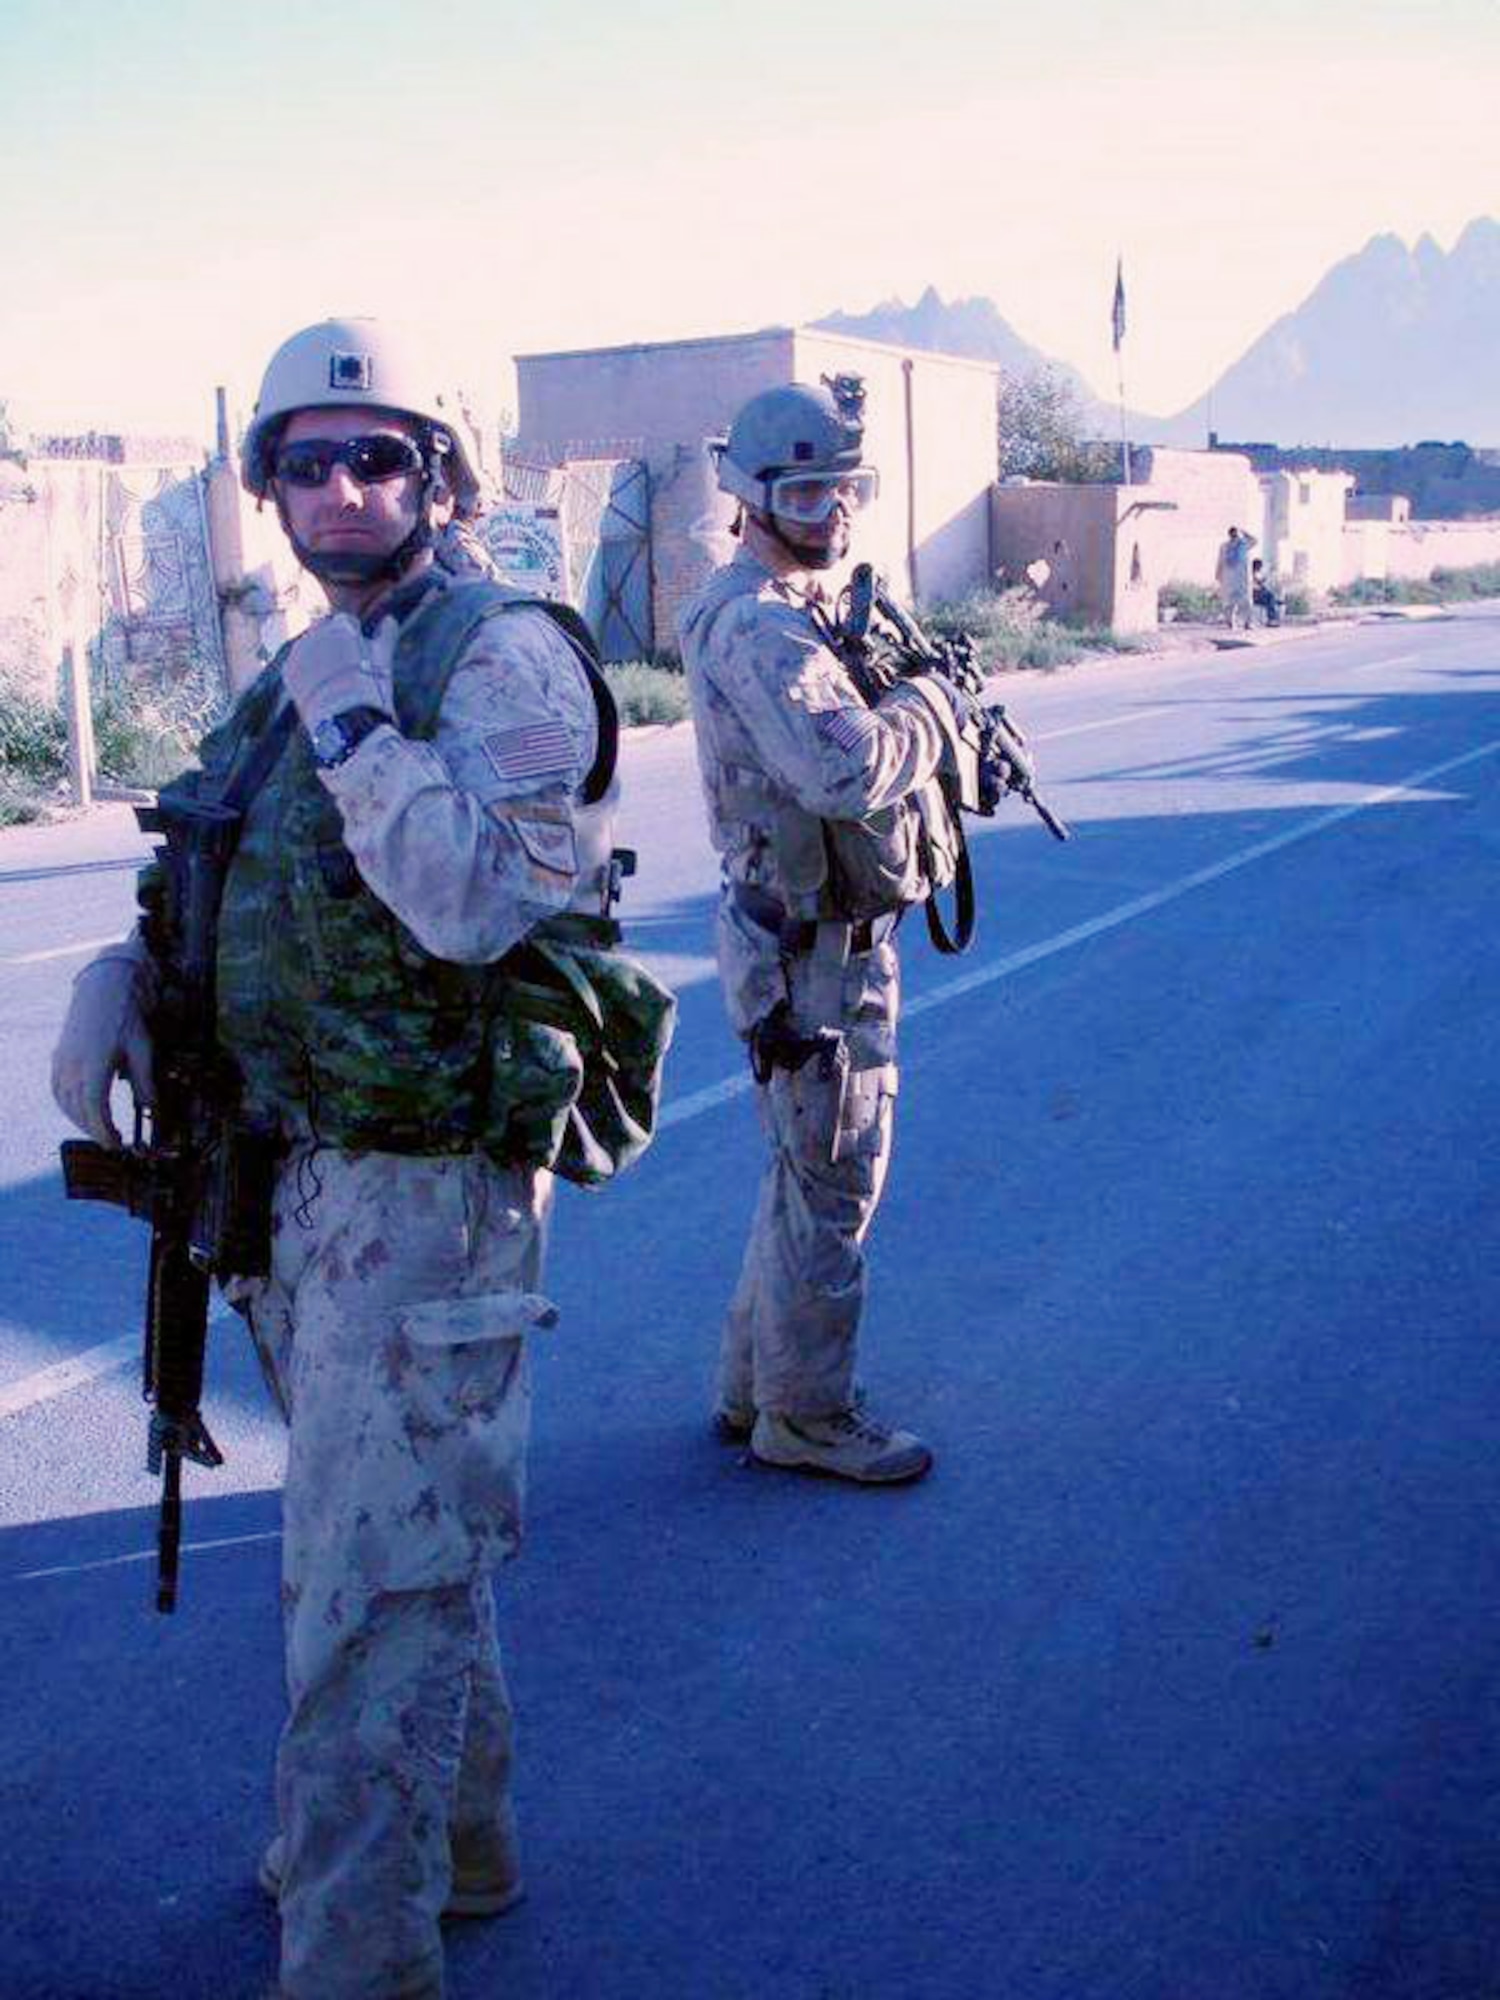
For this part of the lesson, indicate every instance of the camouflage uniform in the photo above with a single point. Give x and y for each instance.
(808, 792)
(393, 1334)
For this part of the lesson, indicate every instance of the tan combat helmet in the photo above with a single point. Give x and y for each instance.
(346, 363)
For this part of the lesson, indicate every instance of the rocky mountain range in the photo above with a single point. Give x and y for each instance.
(1393, 346)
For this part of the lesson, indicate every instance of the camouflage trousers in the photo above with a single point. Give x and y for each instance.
(393, 1335)
(792, 1330)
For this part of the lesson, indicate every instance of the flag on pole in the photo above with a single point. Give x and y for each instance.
(1117, 311)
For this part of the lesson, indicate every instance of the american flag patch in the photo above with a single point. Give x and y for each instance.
(534, 750)
(847, 728)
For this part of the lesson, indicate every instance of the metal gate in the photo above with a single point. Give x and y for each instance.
(162, 607)
(608, 511)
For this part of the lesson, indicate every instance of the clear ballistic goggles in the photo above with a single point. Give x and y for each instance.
(382, 455)
(807, 497)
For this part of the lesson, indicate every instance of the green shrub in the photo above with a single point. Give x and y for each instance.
(1011, 628)
(33, 736)
(17, 807)
(646, 693)
(1478, 580)
(1188, 603)
(146, 738)
(142, 737)
(1444, 586)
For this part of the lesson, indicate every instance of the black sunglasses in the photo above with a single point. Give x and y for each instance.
(371, 459)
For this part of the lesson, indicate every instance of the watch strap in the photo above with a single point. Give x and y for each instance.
(353, 725)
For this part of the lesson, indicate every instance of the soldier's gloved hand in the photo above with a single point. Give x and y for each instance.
(1005, 746)
(333, 666)
(104, 1036)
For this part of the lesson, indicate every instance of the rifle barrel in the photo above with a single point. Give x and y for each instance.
(169, 1532)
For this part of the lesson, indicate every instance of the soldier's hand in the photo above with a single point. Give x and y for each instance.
(104, 1036)
(1006, 746)
(333, 666)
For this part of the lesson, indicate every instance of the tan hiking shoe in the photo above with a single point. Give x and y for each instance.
(483, 1885)
(733, 1422)
(848, 1445)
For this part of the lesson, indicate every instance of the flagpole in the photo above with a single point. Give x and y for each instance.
(1117, 327)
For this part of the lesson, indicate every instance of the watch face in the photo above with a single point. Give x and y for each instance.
(329, 743)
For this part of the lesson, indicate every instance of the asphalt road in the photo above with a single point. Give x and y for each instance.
(1179, 1678)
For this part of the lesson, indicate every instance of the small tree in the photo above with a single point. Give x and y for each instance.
(1040, 428)
(10, 446)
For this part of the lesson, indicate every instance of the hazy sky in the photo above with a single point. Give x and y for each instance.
(187, 181)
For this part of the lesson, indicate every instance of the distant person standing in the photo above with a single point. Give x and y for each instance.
(1233, 576)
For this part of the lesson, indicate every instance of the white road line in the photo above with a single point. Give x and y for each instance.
(64, 1375)
(141, 1556)
(708, 1099)
(53, 1381)
(1109, 722)
(61, 951)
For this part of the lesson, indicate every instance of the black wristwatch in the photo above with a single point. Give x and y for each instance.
(336, 738)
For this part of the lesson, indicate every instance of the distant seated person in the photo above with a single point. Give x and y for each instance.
(1264, 594)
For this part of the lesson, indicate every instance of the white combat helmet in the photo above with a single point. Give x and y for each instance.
(344, 363)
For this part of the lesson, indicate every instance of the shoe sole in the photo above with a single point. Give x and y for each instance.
(903, 1474)
(464, 1904)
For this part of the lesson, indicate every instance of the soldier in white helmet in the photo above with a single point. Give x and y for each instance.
(439, 800)
(813, 801)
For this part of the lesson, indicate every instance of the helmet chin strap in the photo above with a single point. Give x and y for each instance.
(818, 555)
(365, 566)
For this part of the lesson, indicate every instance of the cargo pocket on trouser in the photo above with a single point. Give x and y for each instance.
(437, 1458)
(836, 1121)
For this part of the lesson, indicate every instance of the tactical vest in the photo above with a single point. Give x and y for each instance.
(830, 869)
(333, 1011)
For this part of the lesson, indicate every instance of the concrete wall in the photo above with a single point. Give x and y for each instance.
(1414, 549)
(1304, 534)
(104, 546)
(1071, 529)
(663, 401)
(29, 646)
(1098, 553)
(690, 532)
(1210, 492)
(929, 531)
(1144, 554)
(645, 399)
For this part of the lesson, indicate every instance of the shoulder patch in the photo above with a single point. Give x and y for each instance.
(531, 750)
(847, 728)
